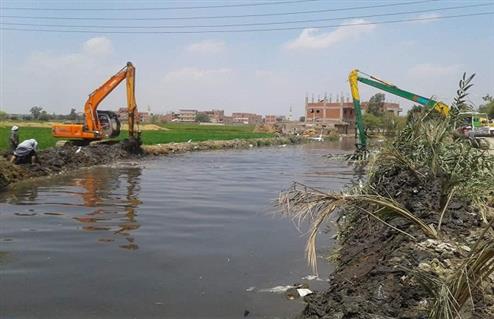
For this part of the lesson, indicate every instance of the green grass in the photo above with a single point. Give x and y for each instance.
(40, 134)
(176, 133)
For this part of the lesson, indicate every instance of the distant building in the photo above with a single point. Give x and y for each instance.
(227, 119)
(123, 115)
(144, 117)
(273, 119)
(215, 116)
(187, 115)
(246, 118)
(270, 119)
(339, 114)
(169, 117)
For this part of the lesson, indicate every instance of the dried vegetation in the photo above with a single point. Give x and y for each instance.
(416, 238)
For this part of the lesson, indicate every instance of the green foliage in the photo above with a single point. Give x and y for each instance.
(387, 123)
(376, 104)
(40, 134)
(44, 116)
(3, 116)
(488, 106)
(176, 133)
(371, 122)
(201, 117)
(460, 103)
(428, 145)
(36, 111)
(72, 115)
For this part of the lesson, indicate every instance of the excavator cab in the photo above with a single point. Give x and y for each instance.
(110, 124)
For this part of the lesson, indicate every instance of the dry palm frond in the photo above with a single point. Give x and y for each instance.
(472, 273)
(444, 305)
(305, 203)
(445, 208)
(450, 295)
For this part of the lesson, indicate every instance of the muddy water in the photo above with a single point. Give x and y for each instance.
(186, 236)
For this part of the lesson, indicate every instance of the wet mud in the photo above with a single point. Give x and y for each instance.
(376, 265)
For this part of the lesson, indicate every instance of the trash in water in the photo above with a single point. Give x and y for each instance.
(295, 293)
(250, 289)
(304, 292)
(291, 292)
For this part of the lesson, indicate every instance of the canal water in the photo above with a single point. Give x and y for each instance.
(185, 236)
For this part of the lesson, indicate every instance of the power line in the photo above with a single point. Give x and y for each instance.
(225, 16)
(245, 24)
(258, 4)
(254, 30)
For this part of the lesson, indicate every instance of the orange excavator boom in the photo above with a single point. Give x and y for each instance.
(103, 124)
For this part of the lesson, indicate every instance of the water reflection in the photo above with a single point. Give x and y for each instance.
(101, 200)
(102, 190)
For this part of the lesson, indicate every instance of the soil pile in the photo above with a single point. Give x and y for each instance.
(377, 273)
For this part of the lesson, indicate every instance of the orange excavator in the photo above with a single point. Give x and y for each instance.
(98, 125)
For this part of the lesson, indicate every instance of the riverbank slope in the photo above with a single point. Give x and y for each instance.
(416, 239)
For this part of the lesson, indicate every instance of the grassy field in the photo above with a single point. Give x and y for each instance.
(173, 133)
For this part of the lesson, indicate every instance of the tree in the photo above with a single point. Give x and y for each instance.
(72, 115)
(36, 111)
(3, 115)
(43, 116)
(371, 122)
(376, 104)
(201, 117)
(488, 106)
(392, 123)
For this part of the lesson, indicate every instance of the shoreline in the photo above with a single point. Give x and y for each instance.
(62, 160)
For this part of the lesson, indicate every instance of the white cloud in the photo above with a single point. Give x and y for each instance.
(207, 47)
(313, 39)
(428, 17)
(428, 70)
(61, 72)
(98, 46)
(191, 73)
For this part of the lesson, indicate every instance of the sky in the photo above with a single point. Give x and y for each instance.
(265, 72)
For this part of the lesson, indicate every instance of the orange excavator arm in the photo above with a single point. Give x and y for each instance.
(92, 129)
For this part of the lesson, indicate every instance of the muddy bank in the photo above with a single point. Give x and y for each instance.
(68, 158)
(173, 148)
(381, 272)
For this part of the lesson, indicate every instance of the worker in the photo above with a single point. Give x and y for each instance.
(14, 138)
(26, 152)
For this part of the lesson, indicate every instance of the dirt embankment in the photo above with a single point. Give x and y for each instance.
(68, 158)
(380, 271)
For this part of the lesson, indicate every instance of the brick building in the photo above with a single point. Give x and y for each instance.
(187, 115)
(270, 119)
(123, 115)
(340, 113)
(246, 118)
(215, 116)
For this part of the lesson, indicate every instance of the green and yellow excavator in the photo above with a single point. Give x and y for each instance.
(358, 76)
